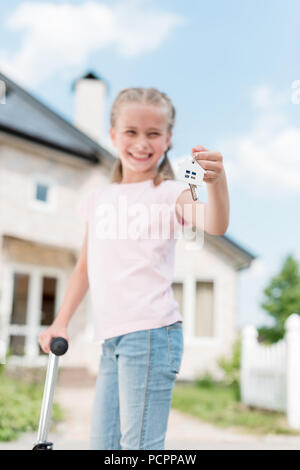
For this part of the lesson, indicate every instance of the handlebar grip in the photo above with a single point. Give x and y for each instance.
(59, 346)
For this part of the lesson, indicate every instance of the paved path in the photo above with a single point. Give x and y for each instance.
(184, 432)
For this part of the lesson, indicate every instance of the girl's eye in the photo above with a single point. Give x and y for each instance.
(155, 133)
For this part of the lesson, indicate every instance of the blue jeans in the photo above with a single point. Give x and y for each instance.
(134, 387)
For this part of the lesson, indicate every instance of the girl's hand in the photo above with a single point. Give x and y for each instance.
(211, 162)
(53, 331)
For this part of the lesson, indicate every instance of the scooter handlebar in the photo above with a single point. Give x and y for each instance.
(59, 346)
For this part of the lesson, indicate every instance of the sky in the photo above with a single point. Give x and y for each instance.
(231, 71)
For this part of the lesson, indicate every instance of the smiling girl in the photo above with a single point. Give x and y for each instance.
(130, 277)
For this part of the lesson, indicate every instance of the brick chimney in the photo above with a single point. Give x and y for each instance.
(90, 106)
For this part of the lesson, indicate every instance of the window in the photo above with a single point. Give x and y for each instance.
(41, 192)
(34, 297)
(20, 299)
(204, 315)
(48, 300)
(17, 345)
(48, 303)
(18, 318)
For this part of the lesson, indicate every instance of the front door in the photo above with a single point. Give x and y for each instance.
(33, 299)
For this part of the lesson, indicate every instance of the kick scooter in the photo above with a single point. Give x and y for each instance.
(58, 347)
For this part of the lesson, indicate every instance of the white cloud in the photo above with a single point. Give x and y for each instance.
(266, 160)
(58, 36)
(263, 96)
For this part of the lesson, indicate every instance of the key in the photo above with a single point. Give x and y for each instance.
(193, 187)
(192, 173)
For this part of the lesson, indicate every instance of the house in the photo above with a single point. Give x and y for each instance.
(46, 166)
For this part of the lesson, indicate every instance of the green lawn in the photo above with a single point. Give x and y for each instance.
(20, 406)
(217, 404)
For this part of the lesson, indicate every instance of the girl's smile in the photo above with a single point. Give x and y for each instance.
(140, 158)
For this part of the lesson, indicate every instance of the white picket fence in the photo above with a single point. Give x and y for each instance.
(270, 375)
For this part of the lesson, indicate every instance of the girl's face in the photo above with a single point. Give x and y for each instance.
(141, 138)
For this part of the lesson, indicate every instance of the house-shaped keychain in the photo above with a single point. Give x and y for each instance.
(192, 173)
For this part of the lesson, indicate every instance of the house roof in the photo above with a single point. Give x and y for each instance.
(240, 257)
(27, 117)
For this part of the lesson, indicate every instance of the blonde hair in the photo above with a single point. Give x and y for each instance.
(144, 96)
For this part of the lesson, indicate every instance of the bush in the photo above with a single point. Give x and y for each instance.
(231, 368)
(206, 381)
(20, 405)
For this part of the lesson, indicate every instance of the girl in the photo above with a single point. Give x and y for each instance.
(130, 274)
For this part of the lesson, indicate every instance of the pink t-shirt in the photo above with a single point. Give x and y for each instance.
(133, 229)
